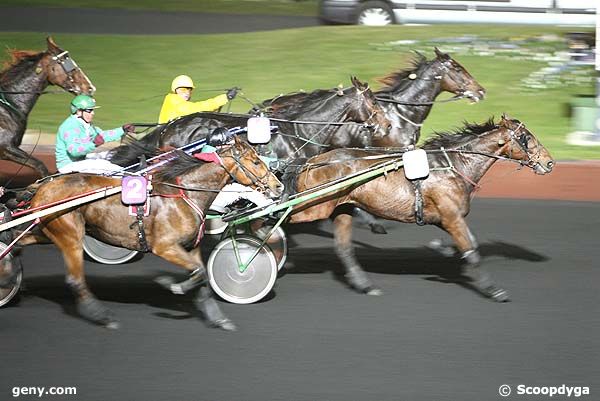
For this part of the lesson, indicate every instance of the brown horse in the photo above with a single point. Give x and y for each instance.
(458, 162)
(22, 82)
(170, 231)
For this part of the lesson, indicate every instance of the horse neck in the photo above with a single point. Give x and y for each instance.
(338, 111)
(211, 176)
(28, 82)
(474, 166)
(424, 89)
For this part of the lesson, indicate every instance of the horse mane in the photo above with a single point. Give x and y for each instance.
(461, 135)
(291, 105)
(178, 167)
(19, 61)
(129, 152)
(396, 80)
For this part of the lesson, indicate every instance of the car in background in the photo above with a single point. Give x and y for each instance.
(385, 12)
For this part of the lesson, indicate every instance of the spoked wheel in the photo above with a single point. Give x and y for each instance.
(10, 290)
(277, 242)
(233, 285)
(104, 253)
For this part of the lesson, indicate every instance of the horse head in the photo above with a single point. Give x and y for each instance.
(367, 109)
(518, 143)
(456, 79)
(244, 164)
(62, 70)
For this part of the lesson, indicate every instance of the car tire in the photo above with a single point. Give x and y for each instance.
(375, 13)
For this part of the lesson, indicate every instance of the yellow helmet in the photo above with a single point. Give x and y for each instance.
(182, 81)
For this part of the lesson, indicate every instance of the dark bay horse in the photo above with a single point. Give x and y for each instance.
(446, 192)
(411, 94)
(183, 191)
(407, 97)
(22, 82)
(355, 104)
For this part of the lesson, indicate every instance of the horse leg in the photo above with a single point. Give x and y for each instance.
(448, 249)
(479, 278)
(205, 301)
(21, 157)
(368, 218)
(67, 234)
(356, 276)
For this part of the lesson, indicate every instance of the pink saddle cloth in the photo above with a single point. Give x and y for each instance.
(211, 157)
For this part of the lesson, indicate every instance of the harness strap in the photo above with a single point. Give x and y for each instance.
(192, 205)
(418, 203)
(11, 107)
(455, 170)
(139, 213)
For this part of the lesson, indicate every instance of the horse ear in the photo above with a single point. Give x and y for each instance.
(358, 84)
(51, 44)
(438, 53)
(504, 120)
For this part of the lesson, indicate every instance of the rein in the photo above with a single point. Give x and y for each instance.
(390, 100)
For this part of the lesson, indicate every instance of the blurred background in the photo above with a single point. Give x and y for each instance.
(540, 71)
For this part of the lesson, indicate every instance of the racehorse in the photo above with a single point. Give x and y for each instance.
(183, 190)
(407, 99)
(410, 94)
(327, 110)
(458, 162)
(21, 83)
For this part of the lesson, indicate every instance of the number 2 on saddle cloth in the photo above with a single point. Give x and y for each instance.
(134, 194)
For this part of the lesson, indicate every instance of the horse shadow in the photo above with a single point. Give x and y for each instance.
(403, 261)
(138, 289)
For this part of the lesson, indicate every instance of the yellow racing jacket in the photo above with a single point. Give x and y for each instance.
(174, 106)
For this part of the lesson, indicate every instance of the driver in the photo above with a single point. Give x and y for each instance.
(77, 137)
(177, 103)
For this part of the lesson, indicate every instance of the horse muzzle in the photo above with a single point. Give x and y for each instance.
(475, 97)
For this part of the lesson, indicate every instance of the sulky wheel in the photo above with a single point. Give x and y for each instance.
(10, 285)
(235, 286)
(104, 253)
(277, 242)
(216, 225)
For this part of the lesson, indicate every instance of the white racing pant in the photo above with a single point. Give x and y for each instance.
(91, 166)
(232, 192)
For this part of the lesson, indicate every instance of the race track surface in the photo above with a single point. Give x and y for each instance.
(427, 338)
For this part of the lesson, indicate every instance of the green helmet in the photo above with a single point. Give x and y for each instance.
(82, 102)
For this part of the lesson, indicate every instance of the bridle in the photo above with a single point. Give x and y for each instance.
(259, 182)
(68, 65)
(523, 142)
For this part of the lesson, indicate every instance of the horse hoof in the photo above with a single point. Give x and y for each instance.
(500, 295)
(224, 324)
(378, 229)
(113, 325)
(374, 291)
(93, 310)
